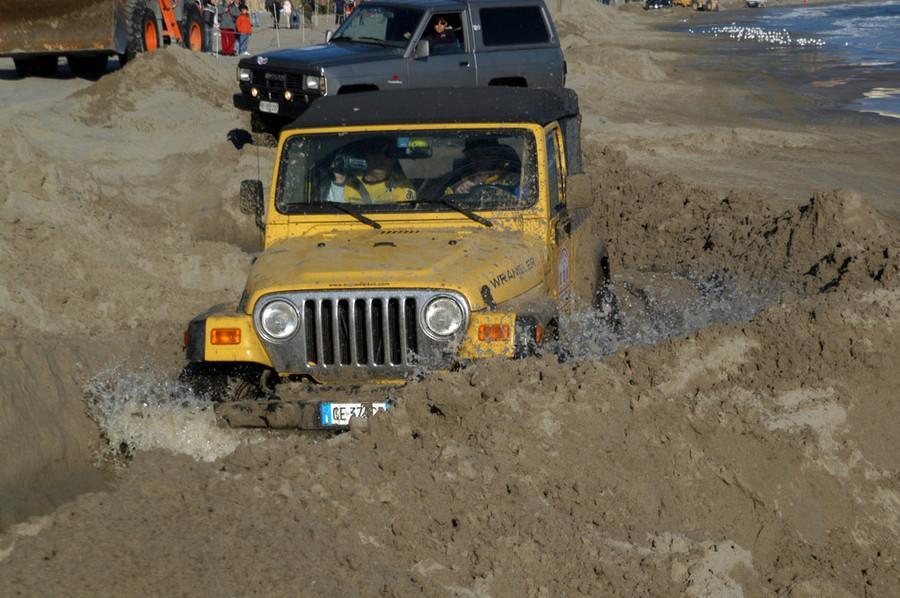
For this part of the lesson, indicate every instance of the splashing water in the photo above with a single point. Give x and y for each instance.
(657, 308)
(145, 411)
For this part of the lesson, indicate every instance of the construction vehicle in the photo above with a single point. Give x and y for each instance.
(709, 5)
(87, 32)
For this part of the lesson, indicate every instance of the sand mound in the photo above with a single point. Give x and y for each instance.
(155, 79)
(662, 224)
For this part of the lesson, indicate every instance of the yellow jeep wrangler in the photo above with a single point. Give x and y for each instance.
(403, 233)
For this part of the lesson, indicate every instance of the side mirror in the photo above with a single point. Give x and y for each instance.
(579, 191)
(423, 49)
(252, 199)
(328, 35)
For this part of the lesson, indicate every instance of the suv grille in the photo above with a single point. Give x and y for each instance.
(279, 82)
(359, 334)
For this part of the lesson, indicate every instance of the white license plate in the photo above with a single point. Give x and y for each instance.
(339, 414)
(270, 107)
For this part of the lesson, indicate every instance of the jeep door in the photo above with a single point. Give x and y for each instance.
(450, 62)
(516, 45)
(562, 258)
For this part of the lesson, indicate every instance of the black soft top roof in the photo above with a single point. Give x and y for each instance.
(433, 106)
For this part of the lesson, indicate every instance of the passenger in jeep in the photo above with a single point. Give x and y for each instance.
(382, 182)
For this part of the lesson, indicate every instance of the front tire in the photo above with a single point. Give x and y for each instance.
(222, 383)
(192, 33)
(143, 29)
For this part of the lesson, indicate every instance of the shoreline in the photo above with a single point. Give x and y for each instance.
(722, 121)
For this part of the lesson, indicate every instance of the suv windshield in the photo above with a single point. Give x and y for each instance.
(383, 25)
(468, 169)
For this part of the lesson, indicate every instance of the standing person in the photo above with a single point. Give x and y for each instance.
(228, 10)
(338, 12)
(244, 29)
(209, 24)
(287, 8)
(277, 12)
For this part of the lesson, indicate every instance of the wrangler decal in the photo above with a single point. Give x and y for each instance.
(513, 273)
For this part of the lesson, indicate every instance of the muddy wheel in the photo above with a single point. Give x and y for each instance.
(224, 382)
(90, 66)
(143, 30)
(192, 33)
(591, 284)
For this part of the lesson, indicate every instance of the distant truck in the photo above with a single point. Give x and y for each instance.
(756, 3)
(402, 44)
(709, 5)
(87, 32)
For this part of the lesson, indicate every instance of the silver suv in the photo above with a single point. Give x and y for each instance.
(401, 44)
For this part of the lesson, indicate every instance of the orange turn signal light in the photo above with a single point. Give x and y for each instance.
(225, 336)
(493, 332)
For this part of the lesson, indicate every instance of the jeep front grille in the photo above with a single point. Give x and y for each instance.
(356, 331)
(359, 334)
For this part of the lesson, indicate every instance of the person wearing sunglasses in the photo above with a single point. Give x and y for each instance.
(441, 37)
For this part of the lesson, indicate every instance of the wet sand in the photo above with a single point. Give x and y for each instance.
(737, 438)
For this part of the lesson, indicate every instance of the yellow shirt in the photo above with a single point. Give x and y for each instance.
(394, 189)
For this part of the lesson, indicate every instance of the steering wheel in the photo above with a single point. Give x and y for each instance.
(488, 193)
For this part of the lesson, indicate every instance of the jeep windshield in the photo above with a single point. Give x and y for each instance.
(462, 170)
(380, 25)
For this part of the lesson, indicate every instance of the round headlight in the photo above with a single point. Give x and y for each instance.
(279, 319)
(443, 316)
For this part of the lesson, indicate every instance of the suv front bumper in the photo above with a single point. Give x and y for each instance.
(285, 109)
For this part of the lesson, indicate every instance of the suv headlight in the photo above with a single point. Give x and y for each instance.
(314, 82)
(443, 316)
(279, 319)
(244, 75)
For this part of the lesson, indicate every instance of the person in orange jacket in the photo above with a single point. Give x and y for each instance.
(244, 29)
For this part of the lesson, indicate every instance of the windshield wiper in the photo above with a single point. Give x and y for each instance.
(350, 211)
(362, 40)
(454, 206)
(373, 40)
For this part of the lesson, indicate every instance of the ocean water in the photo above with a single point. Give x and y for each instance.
(855, 45)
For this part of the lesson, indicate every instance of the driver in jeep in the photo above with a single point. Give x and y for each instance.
(491, 164)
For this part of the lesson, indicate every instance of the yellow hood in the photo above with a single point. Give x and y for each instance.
(508, 263)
